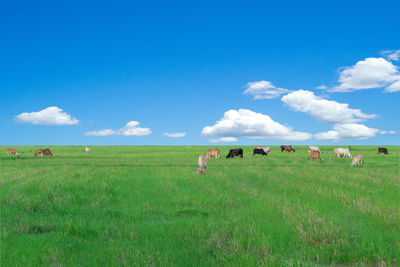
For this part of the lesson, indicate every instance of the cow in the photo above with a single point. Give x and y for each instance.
(313, 148)
(212, 153)
(87, 150)
(383, 150)
(38, 152)
(288, 149)
(358, 160)
(342, 152)
(12, 151)
(235, 152)
(266, 149)
(46, 152)
(314, 155)
(259, 151)
(202, 161)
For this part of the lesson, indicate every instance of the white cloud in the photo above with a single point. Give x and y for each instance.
(367, 74)
(130, 129)
(47, 116)
(348, 131)
(392, 54)
(264, 90)
(174, 135)
(394, 87)
(247, 123)
(224, 140)
(322, 87)
(323, 109)
(387, 132)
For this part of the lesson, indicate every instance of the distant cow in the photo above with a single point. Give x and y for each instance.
(235, 152)
(87, 150)
(38, 152)
(12, 151)
(314, 155)
(342, 152)
(313, 148)
(383, 150)
(288, 149)
(202, 161)
(266, 149)
(259, 151)
(212, 153)
(358, 160)
(46, 152)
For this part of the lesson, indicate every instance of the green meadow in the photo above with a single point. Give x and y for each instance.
(145, 205)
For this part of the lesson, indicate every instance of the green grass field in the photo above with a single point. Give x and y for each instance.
(144, 205)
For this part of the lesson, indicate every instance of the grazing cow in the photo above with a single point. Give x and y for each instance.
(12, 151)
(313, 148)
(235, 152)
(358, 160)
(266, 149)
(259, 151)
(383, 150)
(87, 150)
(38, 152)
(203, 161)
(342, 152)
(212, 153)
(288, 149)
(46, 152)
(314, 155)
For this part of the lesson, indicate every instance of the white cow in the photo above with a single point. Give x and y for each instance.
(267, 150)
(203, 161)
(342, 152)
(87, 150)
(313, 148)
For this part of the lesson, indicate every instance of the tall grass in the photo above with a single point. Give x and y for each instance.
(138, 205)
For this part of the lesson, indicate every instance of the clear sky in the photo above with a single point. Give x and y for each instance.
(181, 73)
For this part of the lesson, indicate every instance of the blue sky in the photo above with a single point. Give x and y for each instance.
(139, 69)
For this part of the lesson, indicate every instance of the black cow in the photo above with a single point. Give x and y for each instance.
(235, 152)
(383, 150)
(259, 151)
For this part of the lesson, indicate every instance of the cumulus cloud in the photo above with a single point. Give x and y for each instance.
(322, 87)
(394, 87)
(323, 109)
(392, 54)
(130, 129)
(367, 74)
(47, 116)
(348, 131)
(264, 90)
(174, 135)
(247, 123)
(224, 140)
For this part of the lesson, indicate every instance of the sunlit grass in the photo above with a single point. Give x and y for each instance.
(129, 205)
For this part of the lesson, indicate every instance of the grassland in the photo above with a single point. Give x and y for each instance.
(133, 205)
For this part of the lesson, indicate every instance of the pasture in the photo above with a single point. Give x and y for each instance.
(144, 205)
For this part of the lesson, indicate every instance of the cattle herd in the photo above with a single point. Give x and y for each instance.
(314, 151)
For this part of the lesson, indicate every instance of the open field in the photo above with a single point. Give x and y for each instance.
(138, 205)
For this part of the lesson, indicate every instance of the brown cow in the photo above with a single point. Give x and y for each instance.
(212, 153)
(38, 152)
(357, 160)
(12, 151)
(46, 152)
(259, 147)
(314, 155)
(288, 149)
